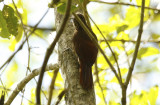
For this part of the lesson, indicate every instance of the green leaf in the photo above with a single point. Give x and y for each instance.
(15, 40)
(156, 17)
(145, 52)
(155, 36)
(4, 33)
(11, 19)
(62, 6)
(121, 28)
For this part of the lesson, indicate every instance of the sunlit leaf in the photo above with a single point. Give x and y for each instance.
(59, 80)
(139, 2)
(13, 43)
(123, 71)
(132, 16)
(32, 98)
(122, 36)
(130, 52)
(11, 74)
(104, 28)
(117, 44)
(114, 80)
(145, 97)
(155, 36)
(11, 19)
(24, 16)
(153, 94)
(115, 23)
(20, 34)
(145, 52)
(102, 62)
(16, 39)
(113, 103)
(156, 17)
(102, 74)
(100, 95)
(103, 45)
(138, 99)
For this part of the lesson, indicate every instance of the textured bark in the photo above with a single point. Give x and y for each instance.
(69, 65)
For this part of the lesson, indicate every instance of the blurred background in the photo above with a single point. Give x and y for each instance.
(119, 22)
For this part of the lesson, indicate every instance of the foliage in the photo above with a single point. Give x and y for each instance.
(120, 28)
(3, 27)
(145, 97)
(11, 19)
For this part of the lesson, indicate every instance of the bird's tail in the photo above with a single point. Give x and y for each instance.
(86, 80)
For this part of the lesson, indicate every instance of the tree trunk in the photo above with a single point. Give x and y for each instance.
(69, 65)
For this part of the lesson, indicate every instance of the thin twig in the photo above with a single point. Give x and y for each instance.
(137, 44)
(126, 4)
(41, 28)
(55, 72)
(119, 71)
(60, 96)
(21, 85)
(125, 85)
(50, 49)
(20, 47)
(126, 55)
(133, 41)
(27, 42)
(97, 79)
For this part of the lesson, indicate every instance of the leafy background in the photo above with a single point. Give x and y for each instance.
(118, 23)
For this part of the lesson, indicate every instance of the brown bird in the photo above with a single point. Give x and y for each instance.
(86, 52)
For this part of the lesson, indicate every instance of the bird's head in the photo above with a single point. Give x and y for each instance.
(76, 23)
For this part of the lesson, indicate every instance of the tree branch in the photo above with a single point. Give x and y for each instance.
(41, 28)
(133, 41)
(125, 4)
(97, 80)
(137, 44)
(50, 49)
(119, 71)
(22, 84)
(20, 47)
(125, 85)
(55, 72)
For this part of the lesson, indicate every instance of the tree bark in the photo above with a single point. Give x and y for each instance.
(69, 65)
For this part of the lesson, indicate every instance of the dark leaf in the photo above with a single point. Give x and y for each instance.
(122, 28)
(4, 33)
(11, 19)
